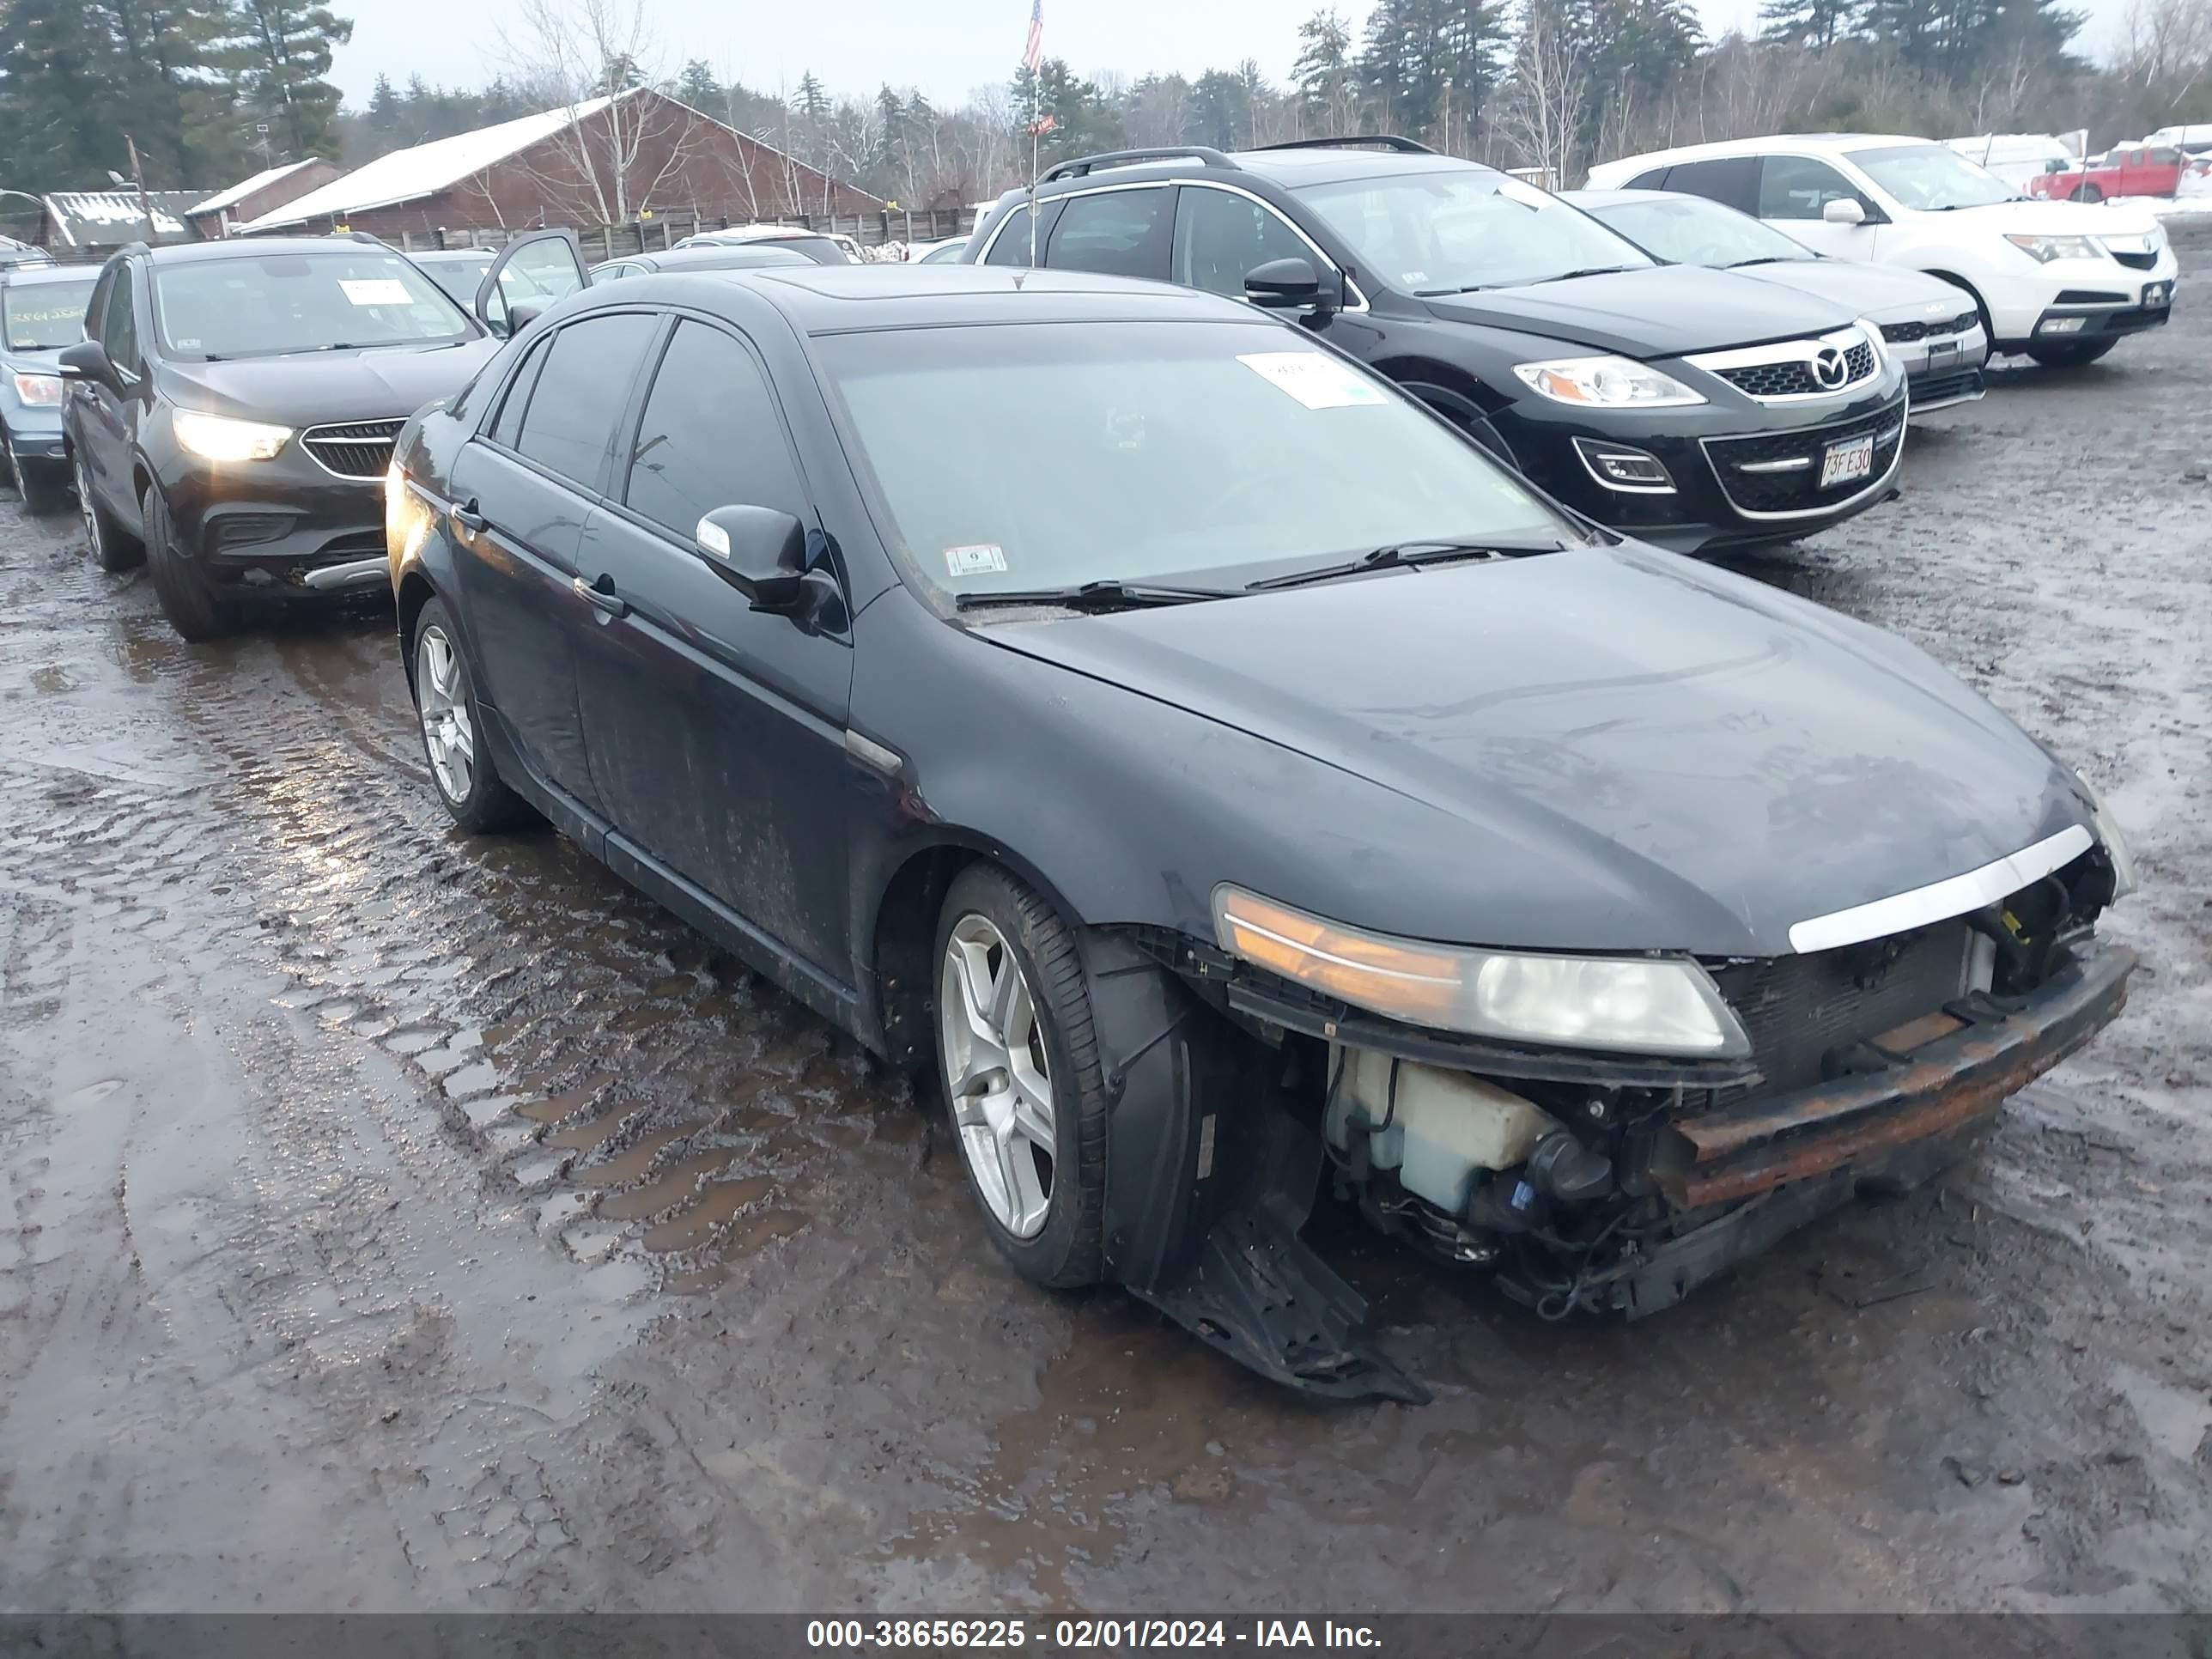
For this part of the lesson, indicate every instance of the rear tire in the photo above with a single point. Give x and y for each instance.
(462, 769)
(1038, 1027)
(2086, 193)
(2071, 357)
(113, 549)
(194, 608)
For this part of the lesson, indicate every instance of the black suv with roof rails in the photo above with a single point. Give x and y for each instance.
(1694, 409)
(230, 413)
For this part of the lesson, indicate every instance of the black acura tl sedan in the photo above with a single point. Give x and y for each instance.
(1232, 780)
(229, 414)
(1692, 409)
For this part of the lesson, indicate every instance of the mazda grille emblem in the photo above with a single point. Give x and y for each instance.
(1829, 367)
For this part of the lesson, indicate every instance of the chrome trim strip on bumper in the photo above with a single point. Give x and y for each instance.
(1903, 418)
(357, 573)
(1940, 900)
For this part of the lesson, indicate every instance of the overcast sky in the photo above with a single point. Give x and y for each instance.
(946, 47)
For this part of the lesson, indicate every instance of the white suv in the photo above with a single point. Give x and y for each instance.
(2060, 281)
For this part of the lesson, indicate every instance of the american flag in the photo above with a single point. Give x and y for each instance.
(1033, 49)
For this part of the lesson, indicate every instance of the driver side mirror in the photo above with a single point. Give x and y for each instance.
(1843, 210)
(519, 316)
(760, 552)
(1295, 285)
(87, 361)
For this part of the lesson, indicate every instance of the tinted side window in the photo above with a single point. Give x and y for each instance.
(120, 332)
(589, 367)
(711, 436)
(1219, 236)
(1733, 180)
(508, 427)
(95, 312)
(1111, 233)
(1798, 187)
(1011, 245)
(1655, 180)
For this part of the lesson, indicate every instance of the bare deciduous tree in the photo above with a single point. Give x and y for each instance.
(1546, 92)
(619, 152)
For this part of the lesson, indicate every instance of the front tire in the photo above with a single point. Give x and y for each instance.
(2071, 357)
(194, 608)
(113, 549)
(462, 771)
(1017, 1059)
(40, 490)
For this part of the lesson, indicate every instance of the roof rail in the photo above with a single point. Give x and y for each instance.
(1122, 158)
(1356, 141)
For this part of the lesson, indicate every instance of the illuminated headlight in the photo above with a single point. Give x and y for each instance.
(1605, 383)
(220, 438)
(39, 388)
(2044, 249)
(2111, 839)
(1640, 1005)
(407, 516)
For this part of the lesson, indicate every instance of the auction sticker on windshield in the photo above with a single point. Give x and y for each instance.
(375, 291)
(974, 559)
(1316, 381)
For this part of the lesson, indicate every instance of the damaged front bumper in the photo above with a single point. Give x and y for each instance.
(1212, 1172)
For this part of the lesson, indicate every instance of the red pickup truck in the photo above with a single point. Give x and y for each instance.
(2140, 170)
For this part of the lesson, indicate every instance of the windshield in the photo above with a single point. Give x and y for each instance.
(1041, 455)
(262, 305)
(1932, 176)
(1447, 231)
(460, 279)
(46, 316)
(1689, 230)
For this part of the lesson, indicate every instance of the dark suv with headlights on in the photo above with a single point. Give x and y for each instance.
(1691, 408)
(232, 408)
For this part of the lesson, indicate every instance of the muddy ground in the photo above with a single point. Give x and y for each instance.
(391, 1220)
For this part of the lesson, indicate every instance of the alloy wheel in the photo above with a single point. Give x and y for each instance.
(441, 692)
(999, 1075)
(84, 501)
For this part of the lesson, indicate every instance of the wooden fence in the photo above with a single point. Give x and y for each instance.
(664, 230)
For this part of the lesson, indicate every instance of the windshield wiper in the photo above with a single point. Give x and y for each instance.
(1764, 259)
(1411, 554)
(1092, 596)
(1588, 271)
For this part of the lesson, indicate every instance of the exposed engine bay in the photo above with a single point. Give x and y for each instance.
(1584, 1184)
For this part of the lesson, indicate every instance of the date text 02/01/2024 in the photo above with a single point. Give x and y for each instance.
(1086, 1633)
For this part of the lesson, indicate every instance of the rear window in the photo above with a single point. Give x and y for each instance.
(42, 316)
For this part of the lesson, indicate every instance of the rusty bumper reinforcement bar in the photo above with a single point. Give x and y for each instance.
(1761, 1144)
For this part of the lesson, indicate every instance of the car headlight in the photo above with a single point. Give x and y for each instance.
(39, 388)
(1641, 1005)
(2111, 839)
(220, 438)
(2044, 249)
(1605, 383)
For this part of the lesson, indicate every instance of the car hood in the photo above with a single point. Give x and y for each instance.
(1602, 749)
(1663, 312)
(386, 383)
(1886, 293)
(2033, 218)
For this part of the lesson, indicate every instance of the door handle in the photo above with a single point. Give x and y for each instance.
(468, 521)
(601, 597)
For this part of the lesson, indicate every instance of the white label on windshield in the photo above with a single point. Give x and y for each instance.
(376, 291)
(1316, 380)
(975, 558)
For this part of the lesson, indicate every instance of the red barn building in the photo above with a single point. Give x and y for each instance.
(601, 161)
(264, 192)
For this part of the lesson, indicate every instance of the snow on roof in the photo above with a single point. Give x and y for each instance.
(262, 181)
(79, 217)
(407, 175)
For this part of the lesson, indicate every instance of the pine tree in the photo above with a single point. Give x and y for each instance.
(278, 53)
(698, 87)
(57, 117)
(1817, 23)
(1323, 73)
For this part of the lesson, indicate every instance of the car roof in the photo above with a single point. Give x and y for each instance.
(247, 247)
(47, 272)
(707, 255)
(834, 298)
(1623, 198)
(1291, 168)
(1834, 143)
(431, 256)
